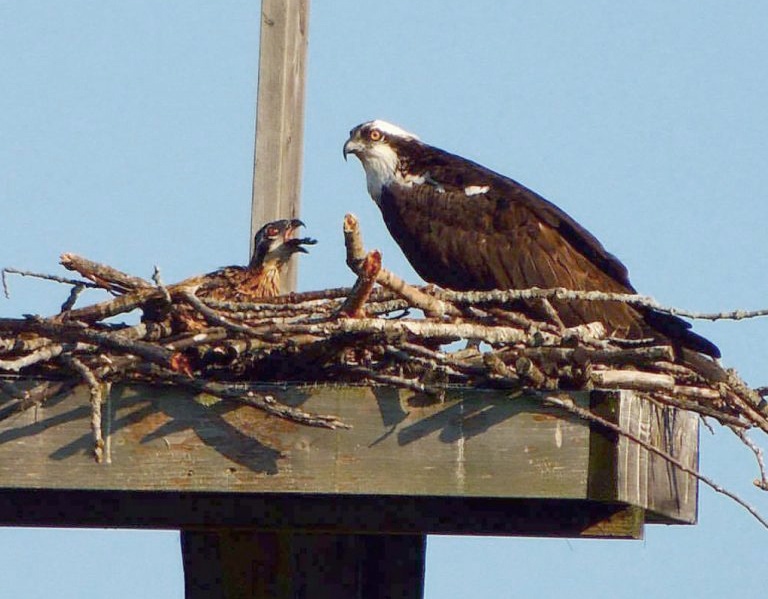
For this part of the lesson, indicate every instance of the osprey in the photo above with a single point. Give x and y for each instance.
(463, 226)
(273, 246)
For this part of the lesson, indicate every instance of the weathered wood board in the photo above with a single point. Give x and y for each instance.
(477, 444)
(279, 142)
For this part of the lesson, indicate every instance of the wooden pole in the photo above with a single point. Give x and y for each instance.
(243, 564)
(233, 564)
(280, 116)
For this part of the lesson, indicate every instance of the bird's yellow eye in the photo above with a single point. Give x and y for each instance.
(375, 135)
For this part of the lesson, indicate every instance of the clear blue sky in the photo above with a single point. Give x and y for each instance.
(126, 135)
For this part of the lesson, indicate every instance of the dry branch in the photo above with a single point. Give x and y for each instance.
(97, 398)
(418, 299)
(367, 271)
(499, 296)
(37, 275)
(590, 417)
(103, 276)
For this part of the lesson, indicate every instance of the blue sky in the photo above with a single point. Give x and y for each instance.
(126, 135)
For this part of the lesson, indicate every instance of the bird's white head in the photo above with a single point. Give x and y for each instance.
(378, 144)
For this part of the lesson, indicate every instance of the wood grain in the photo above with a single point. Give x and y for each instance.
(475, 444)
(280, 116)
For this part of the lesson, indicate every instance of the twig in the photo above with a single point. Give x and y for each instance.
(97, 398)
(160, 285)
(497, 368)
(700, 408)
(41, 355)
(428, 329)
(213, 317)
(103, 276)
(353, 242)
(442, 358)
(584, 355)
(367, 271)
(265, 403)
(560, 293)
(409, 358)
(37, 275)
(530, 373)
(418, 299)
(120, 305)
(587, 415)
(74, 293)
(551, 313)
(74, 333)
(397, 381)
(633, 379)
(107, 400)
(762, 483)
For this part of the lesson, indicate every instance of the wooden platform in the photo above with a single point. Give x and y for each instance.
(482, 462)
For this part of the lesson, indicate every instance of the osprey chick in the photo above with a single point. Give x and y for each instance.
(274, 244)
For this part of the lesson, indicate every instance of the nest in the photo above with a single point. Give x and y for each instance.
(380, 331)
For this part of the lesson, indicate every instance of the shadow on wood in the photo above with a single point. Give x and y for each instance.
(503, 465)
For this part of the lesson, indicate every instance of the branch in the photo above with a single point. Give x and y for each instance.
(43, 354)
(367, 271)
(397, 381)
(265, 403)
(212, 316)
(418, 299)
(120, 305)
(560, 293)
(103, 276)
(97, 398)
(589, 416)
(37, 275)
(79, 333)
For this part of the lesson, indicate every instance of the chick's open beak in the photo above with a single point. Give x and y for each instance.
(296, 243)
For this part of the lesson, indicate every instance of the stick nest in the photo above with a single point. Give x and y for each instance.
(380, 331)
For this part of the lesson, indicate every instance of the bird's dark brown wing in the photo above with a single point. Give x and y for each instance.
(511, 238)
(508, 205)
(486, 241)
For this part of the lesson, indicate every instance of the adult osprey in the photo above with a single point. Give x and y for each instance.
(463, 226)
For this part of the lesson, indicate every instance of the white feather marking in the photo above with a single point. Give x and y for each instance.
(473, 190)
(381, 168)
(380, 164)
(410, 180)
(393, 130)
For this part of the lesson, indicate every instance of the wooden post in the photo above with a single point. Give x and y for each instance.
(261, 564)
(280, 116)
(322, 566)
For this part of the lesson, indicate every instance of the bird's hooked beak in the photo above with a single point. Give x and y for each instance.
(352, 146)
(295, 244)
